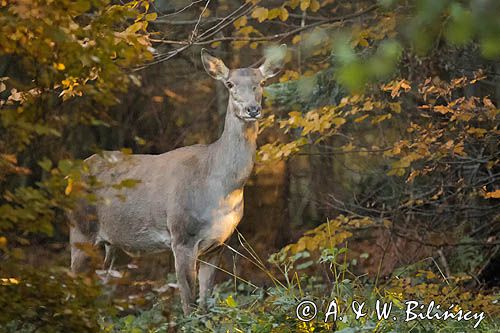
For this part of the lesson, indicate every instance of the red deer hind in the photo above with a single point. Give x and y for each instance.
(188, 200)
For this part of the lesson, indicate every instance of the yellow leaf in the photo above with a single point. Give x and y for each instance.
(9, 158)
(363, 42)
(348, 147)
(136, 27)
(241, 22)
(304, 4)
(59, 66)
(254, 45)
(215, 44)
(493, 195)
(8, 281)
(296, 39)
(246, 30)
(283, 14)
(126, 151)
(368, 106)
(231, 302)
(480, 132)
(206, 13)
(260, 13)
(314, 5)
(395, 107)
(151, 16)
(293, 3)
(338, 121)
(360, 119)
(3, 242)
(69, 187)
(459, 149)
(405, 85)
(289, 75)
(442, 109)
(381, 118)
(274, 13)
(239, 44)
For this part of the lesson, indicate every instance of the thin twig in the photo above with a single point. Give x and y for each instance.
(180, 10)
(195, 30)
(202, 38)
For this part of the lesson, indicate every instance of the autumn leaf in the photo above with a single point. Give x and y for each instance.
(151, 16)
(3, 242)
(260, 13)
(314, 6)
(442, 109)
(9, 158)
(69, 187)
(360, 119)
(304, 4)
(59, 66)
(215, 44)
(492, 195)
(273, 13)
(240, 22)
(395, 87)
(338, 121)
(381, 118)
(283, 14)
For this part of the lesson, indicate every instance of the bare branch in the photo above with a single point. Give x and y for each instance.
(202, 39)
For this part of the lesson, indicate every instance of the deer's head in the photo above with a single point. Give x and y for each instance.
(245, 85)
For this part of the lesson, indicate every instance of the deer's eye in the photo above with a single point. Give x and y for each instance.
(229, 84)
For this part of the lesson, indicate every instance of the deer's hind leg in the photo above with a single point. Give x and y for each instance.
(82, 234)
(80, 260)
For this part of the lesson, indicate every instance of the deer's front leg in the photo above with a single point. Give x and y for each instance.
(185, 269)
(206, 277)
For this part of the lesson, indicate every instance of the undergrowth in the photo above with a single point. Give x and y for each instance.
(318, 268)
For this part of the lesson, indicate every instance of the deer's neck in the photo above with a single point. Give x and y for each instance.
(234, 153)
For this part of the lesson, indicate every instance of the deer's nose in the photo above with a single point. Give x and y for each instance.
(254, 110)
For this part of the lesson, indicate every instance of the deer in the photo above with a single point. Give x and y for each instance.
(188, 200)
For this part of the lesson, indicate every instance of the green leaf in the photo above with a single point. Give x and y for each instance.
(65, 166)
(127, 183)
(305, 265)
(460, 27)
(45, 164)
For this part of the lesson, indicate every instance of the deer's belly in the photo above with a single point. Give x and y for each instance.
(136, 239)
(147, 243)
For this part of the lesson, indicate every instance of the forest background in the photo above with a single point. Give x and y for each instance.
(377, 169)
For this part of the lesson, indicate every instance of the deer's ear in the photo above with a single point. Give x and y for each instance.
(214, 66)
(275, 59)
